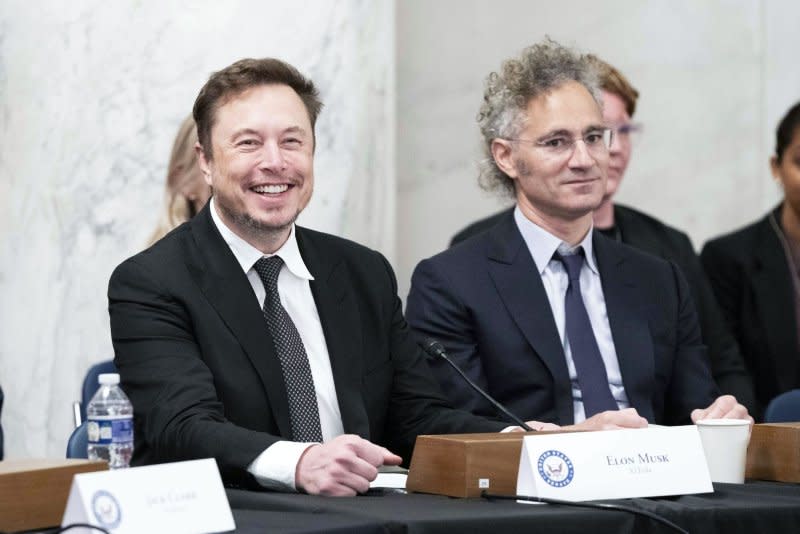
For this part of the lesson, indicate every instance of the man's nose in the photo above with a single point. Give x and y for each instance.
(272, 158)
(581, 158)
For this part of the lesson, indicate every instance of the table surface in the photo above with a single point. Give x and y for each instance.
(751, 507)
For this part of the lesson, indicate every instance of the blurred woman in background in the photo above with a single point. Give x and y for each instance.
(755, 273)
(186, 190)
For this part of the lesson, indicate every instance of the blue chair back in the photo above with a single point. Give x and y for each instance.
(78, 440)
(784, 408)
(1, 426)
(90, 383)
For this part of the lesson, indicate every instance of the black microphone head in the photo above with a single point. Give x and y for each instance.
(433, 348)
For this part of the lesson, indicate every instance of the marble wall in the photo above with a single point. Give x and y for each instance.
(714, 79)
(92, 93)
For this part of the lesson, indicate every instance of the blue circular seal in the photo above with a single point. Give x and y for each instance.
(106, 509)
(555, 468)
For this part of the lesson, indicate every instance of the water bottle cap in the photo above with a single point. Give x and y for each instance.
(108, 379)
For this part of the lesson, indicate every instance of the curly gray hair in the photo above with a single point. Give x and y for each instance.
(538, 70)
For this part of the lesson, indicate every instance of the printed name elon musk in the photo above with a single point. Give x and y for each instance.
(638, 464)
(643, 458)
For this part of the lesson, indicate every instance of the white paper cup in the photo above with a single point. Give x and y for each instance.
(725, 446)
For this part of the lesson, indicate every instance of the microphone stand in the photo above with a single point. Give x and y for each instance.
(435, 349)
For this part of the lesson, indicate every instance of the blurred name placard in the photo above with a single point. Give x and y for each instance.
(176, 497)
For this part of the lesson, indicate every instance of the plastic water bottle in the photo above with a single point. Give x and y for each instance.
(110, 424)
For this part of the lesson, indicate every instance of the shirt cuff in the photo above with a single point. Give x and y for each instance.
(275, 467)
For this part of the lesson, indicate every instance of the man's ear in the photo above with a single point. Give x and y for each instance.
(503, 156)
(203, 163)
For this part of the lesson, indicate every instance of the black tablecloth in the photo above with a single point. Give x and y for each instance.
(732, 508)
(261, 521)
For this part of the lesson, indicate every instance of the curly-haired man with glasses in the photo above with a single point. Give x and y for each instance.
(557, 321)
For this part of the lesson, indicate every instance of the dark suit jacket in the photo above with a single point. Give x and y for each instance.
(647, 233)
(750, 276)
(199, 366)
(479, 226)
(484, 300)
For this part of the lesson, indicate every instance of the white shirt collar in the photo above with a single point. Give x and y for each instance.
(542, 244)
(247, 255)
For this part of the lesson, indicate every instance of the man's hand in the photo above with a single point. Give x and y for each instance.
(341, 467)
(725, 407)
(538, 425)
(612, 420)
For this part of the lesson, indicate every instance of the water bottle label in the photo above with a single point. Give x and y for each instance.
(122, 431)
(108, 431)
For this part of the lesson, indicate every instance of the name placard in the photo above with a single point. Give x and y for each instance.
(177, 497)
(614, 464)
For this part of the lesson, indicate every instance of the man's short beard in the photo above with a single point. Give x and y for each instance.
(254, 228)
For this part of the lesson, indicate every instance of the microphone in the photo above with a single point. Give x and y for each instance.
(435, 349)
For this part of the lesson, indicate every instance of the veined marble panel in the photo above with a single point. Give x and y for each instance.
(92, 94)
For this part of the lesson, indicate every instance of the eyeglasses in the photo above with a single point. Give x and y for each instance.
(597, 142)
(629, 132)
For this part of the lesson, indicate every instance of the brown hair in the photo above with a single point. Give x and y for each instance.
(613, 81)
(241, 76)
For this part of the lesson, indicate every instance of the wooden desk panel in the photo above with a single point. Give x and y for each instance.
(33, 493)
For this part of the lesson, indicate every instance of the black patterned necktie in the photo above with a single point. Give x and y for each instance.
(303, 408)
(589, 366)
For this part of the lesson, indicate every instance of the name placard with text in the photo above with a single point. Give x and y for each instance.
(177, 497)
(614, 464)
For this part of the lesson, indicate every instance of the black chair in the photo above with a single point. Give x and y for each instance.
(89, 388)
(785, 408)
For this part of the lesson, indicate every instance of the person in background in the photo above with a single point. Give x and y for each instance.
(186, 190)
(558, 322)
(644, 232)
(755, 273)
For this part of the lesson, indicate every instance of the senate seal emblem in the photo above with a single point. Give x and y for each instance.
(555, 468)
(106, 509)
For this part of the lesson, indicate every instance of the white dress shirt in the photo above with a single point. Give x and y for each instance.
(275, 467)
(542, 245)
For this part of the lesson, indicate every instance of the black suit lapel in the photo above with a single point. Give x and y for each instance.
(341, 324)
(772, 293)
(629, 327)
(226, 287)
(519, 285)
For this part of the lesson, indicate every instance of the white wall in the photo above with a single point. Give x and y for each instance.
(92, 94)
(714, 78)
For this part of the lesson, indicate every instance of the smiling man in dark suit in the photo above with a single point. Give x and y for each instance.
(279, 351)
(644, 232)
(557, 321)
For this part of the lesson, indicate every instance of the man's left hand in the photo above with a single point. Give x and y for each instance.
(535, 425)
(725, 407)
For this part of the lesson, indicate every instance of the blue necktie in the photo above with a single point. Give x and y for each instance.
(591, 370)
